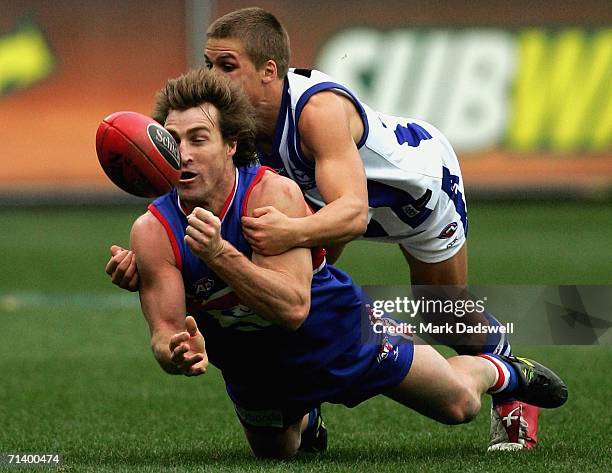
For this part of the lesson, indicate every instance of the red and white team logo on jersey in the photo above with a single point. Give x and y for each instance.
(448, 231)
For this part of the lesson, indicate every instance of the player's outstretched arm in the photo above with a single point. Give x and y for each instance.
(275, 287)
(329, 125)
(177, 344)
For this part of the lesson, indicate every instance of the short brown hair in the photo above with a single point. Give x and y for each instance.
(236, 114)
(261, 34)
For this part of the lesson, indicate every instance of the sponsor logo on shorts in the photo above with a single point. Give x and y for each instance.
(448, 231)
(385, 348)
(452, 243)
(412, 210)
(261, 418)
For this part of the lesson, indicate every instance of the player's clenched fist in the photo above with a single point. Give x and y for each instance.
(203, 234)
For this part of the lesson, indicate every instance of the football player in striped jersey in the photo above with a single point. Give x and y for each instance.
(287, 331)
(367, 174)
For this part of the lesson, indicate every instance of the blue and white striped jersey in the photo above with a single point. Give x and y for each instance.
(414, 182)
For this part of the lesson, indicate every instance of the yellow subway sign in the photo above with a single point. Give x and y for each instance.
(533, 89)
(25, 58)
(562, 90)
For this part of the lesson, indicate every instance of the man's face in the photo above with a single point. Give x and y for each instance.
(228, 57)
(206, 159)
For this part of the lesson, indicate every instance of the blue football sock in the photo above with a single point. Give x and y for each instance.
(312, 418)
(507, 379)
(497, 343)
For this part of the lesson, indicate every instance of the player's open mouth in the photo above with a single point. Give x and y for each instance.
(188, 176)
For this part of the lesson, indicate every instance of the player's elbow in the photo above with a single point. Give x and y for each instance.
(358, 223)
(296, 318)
(361, 223)
(297, 313)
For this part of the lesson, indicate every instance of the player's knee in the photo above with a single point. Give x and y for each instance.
(463, 409)
(277, 447)
(278, 452)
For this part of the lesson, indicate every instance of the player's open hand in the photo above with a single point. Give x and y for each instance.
(187, 350)
(203, 234)
(121, 267)
(269, 231)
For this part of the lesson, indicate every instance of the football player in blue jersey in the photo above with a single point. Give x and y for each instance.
(294, 324)
(370, 175)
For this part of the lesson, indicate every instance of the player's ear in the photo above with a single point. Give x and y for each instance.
(269, 71)
(232, 146)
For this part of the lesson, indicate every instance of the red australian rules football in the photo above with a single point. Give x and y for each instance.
(138, 154)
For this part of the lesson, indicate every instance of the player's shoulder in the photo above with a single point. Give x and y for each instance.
(276, 190)
(151, 243)
(272, 185)
(146, 222)
(147, 227)
(296, 74)
(316, 96)
(307, 86)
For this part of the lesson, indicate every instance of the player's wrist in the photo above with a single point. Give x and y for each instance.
(164, 359)
(217, 253)
(301, 231)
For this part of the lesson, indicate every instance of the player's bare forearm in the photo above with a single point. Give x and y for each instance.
(276, 295)
(271, 232)
(277, 287)
(329, 128)
(337, 223)
(176, 343)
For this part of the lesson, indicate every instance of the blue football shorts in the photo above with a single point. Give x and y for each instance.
(384, 362)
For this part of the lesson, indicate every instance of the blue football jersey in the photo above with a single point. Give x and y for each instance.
(318, 361)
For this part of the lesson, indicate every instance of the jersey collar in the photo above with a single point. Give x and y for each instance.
(228, 201)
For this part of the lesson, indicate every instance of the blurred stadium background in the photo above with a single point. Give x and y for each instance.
(521, 89)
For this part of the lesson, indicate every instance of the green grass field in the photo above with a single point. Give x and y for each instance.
(77, 376)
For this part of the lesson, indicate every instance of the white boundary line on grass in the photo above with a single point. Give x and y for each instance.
(20, 300)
